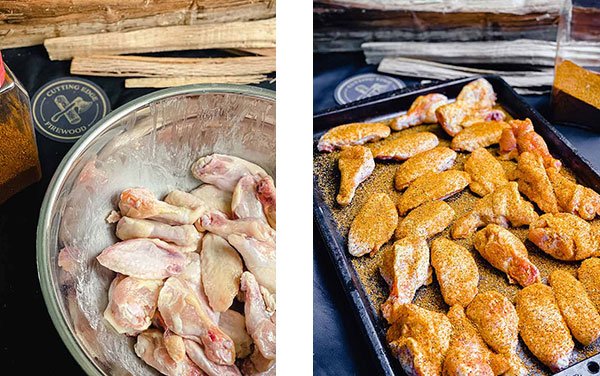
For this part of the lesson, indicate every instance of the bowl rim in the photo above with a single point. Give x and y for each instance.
(44, 268)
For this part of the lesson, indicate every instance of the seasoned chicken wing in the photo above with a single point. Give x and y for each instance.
(496, 319)
(405, 269)
(426, 221)
(142, 204)
(486, 172)
(506, 253)
(131, 228)
(420, 339)
(455, 270)
(520, 138)
(196, 354)
(184, 315)
(473, 104)
(223, 171)
(373, 226)
(479, 135)
(577, 309)
(143, 258)
(589, 275)
(222, 268)
(437, 159)
(542, 327)
(421, 111)
(352, 134)
(405, 146)
(356, 164)
(572, 197)
(131, 303)
(259, 322)
(151, 348)
(214, 198)
(431, 187)
(500, 207)
(564, 236)
(534, 182)
(467, 353)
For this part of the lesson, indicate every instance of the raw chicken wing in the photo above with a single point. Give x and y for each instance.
(373, 226)
(534, 182)
(259, 258)
(437, 159)
(245, 202)
(506, 253)
(140, 203)
(222, 268)
(196, 354)
(496, 319)
(217, 223)
(577, 309)
(564, 236)
(405, 269)
(267, 197)
(233, 324)
(589, 275)
(352, 134)
(432, 187)
(542, 327)
(356, 164)
(143, 258)
(486, 172)
(151, 348)
(421, 111)
(520, 138)
(574, 198)
(405, 146)
(214, 198)
(131, 303)
(131, 228)
(505, 205)
(426, 221)
(420, 339)
(455, 270)
(183, 314)
(259, 322)
(479, 135)
(223, 171)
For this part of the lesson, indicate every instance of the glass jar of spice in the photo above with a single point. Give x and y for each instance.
(19, 161)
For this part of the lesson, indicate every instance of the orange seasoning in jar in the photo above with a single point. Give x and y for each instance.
(19, 161)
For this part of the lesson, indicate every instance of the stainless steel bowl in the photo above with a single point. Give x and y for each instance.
(151, 142)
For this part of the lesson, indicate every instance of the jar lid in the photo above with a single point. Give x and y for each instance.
(2, 71)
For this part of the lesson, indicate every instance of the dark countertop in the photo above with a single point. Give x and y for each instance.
(338, 346)
(20, 294)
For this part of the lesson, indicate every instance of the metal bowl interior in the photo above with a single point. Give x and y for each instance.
(149, 142)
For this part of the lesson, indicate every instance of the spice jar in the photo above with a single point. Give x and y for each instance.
(19, 161)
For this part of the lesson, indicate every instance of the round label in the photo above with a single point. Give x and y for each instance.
(64, 109)
(364, 86)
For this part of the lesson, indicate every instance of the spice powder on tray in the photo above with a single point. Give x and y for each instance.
(429, 297)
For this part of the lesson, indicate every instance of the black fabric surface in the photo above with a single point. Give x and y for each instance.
(338, 346)
(28, 336)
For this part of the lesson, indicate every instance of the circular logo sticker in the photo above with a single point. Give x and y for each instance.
(364, 86)
(64, 109)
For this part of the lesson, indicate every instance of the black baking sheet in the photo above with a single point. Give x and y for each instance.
(388, 105)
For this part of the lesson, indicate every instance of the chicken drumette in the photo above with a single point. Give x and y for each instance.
(352, 134)
(405, 269)
(534, 182)
(505, 205)
(224, 171)
(435, 160)
(421, 111)
(506, 253)
(356, 164)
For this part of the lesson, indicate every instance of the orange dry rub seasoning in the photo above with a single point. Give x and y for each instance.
(576, 96)
(19, 162)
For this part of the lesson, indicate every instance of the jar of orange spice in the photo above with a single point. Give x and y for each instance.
(19, 161)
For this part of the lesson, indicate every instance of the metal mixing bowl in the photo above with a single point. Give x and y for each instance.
(150, 142)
